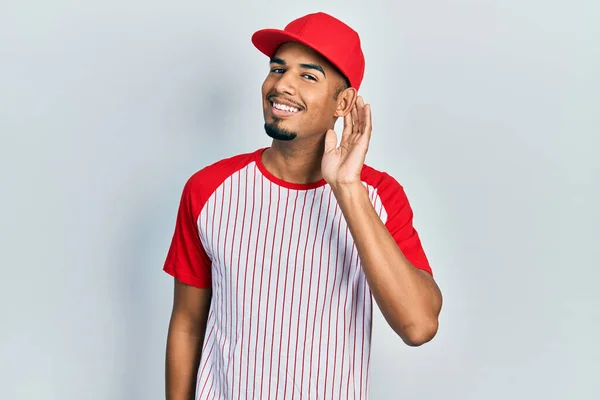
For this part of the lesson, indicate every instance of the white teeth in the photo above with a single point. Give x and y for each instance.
(283, 107)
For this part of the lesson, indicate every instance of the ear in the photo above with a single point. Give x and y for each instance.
(345, 102)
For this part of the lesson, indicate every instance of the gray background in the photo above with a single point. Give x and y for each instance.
(486, 111)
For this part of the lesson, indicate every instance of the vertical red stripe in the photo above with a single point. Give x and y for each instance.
(221, 285)
(355, 311)
(292, 302)
(251, 317)
(370, 319)
(245, 281)
(259, 317)
(319, 279)
(207, 231)
(227, 264)
(209, 236)
(269, 292)
(362, 351)
(217, 281)
(352, 288)
(357, 323)
(285, 281)
(303, 267)
(338, 271)
(370, 336)
(312, 264)
(342, 311)
(235, 224)
(217, 254)
(212, 230)
(345, 334)
(239, 264)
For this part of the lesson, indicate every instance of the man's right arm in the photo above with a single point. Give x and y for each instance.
(187, 329)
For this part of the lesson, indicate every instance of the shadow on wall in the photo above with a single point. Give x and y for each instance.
(145, 291)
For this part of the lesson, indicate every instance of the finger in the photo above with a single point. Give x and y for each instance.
(355, 119)
(361, 106)
(368, 123)
(347, 131)
(347, 124)
(360, 102)
(361, 109)
(361, 112)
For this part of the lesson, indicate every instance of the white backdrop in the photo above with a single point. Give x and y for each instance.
(486, 111)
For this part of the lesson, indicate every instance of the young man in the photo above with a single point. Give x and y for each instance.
(277, 254)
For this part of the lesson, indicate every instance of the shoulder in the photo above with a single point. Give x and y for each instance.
(204, 182)
(213, 175)
(380, 180)
(386, 190)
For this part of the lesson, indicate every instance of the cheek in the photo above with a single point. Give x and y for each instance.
(266, 87)
(263, 89)
(321, 109)
(269, 83)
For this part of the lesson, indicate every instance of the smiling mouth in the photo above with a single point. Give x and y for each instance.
(282, 110)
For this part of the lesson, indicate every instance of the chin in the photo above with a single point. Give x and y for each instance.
(276, 131)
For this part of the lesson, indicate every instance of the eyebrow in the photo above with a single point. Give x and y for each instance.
(317, 67)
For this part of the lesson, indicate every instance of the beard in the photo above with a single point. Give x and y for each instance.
(276, 132)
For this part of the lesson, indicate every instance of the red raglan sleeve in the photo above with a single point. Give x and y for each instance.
(400, 222)
(186, 259)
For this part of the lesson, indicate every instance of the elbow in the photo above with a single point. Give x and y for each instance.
(418, 334)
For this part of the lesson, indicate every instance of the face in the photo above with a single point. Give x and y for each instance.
(301, 94)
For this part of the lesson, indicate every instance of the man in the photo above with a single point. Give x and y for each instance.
(278, 253)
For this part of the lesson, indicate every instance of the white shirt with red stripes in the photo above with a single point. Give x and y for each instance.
(290, 316)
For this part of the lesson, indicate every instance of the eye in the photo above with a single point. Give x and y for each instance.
(277, 70)
(310, 77)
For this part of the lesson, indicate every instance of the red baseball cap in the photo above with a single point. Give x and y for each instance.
(329, 36)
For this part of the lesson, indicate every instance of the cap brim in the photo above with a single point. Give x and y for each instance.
(267, 41)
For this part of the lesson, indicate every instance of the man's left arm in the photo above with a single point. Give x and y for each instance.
(408, 297)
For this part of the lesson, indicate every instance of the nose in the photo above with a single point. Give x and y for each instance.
(285, 84)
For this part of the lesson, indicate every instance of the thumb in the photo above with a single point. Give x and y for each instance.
(330, 141)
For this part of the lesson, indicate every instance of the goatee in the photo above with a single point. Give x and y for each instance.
(278, 133)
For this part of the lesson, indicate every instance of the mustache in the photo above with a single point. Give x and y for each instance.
(274, 96)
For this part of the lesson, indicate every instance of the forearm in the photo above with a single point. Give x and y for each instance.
(182, 361)
(408, 299)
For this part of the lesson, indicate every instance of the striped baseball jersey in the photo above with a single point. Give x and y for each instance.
(290, 315)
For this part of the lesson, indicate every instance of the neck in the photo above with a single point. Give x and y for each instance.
(296, 162)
